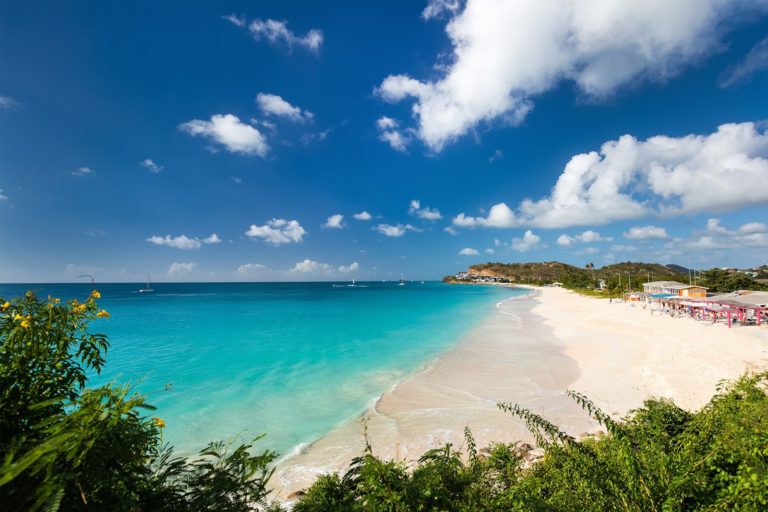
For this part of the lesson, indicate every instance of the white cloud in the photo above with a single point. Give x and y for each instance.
(496, 156)
(386, 123)
(251, 268)
(3, 197)
(309, 266)
(468, 251)
(586, 237)
(238, 21)
(278, 231)
(277, 32)
(661, 176)
(8, 103)
(436, 8)
(717, 236)
(180, 269)
(588, 251)
(334, 222)
(362, 216)
(394, 230)
(490, 251)
(755, 61)
(450, 230)
(389, 133)
(506, 52)
(273, 104)
(646, 233)
(528, 242)
(353, 267)
(236, 179)
(82, 171)
(230, 132)
(425, 213)
(213, 239)
(500, 216)
(152, 166)
(183, 241)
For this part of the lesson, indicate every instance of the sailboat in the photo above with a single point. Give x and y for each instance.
(148, 289)
(402, 281)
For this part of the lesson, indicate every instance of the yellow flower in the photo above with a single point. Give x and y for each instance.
(159, 422)
(102, 314)
(18, 317)
(56, 301)
(95, 294)
(25, 323)
(6, 305)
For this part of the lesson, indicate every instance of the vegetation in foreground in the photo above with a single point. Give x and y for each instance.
(64, 446)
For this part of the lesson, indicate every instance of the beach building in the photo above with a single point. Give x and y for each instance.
(675, 288)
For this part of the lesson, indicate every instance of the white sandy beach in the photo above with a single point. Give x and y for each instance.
(530, 351)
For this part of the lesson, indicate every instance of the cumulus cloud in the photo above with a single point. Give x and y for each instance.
(147, 163)
(646, 233)
(468, 251)
(183, 241)
(451, 230)
(586, 237)
(717, 236)
(390, 133)
(272, 104)
(180, 269)
(629, 179)
(528, 242)
(251, 268)
(425, 213)
(278, 33)
(310, 266)
(228, 131)
(8, 103)
(3, 197)
(506, 52)
(500, 216)
(396, 230)
(334, 222)
(362, 216)
(278, 231)
(82, 171)
(755, 61)
(352, 267)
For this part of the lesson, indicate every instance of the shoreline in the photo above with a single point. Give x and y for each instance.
(530, 350)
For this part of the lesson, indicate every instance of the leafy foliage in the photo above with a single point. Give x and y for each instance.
(64, 446)
(658, 458)
(720, 280)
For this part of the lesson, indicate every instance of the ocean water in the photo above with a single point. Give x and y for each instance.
(291, 360)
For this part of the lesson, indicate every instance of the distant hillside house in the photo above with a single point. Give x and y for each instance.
(675, 288)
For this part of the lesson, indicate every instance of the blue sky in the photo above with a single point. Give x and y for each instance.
(132, 133)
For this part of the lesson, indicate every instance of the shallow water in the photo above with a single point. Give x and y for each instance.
(289, 359)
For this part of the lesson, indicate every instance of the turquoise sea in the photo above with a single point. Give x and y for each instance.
(292, 360)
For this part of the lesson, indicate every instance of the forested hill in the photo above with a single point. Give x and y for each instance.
(551, 271)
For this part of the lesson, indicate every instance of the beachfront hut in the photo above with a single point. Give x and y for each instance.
(675, 288)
